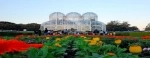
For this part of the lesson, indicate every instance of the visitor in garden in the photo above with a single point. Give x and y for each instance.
(78, 33)
(96, 32)
(62, 31)
(51, 32)
(75, 31)
(101, 32)
(114, 33)
(35, 32)
(59, 32)
(48, 32)
(39, 32)
(45, 31)
(106, 33)
(65, 31)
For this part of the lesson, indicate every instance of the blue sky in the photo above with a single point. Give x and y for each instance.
(136, 12)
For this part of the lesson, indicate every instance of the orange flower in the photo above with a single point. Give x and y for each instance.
(111, 53)
(1, 37)
(18, 36)
(36, 45)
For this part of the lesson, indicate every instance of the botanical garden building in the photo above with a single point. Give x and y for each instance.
(85, 22)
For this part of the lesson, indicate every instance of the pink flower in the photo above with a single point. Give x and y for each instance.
(145, 49)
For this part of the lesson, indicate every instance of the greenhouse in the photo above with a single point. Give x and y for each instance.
(86, 22)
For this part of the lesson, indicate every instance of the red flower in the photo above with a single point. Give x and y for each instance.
(3, 47)
(16, 45)
(36, 45)
(12, 46)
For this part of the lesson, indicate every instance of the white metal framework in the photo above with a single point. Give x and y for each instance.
(86, 22)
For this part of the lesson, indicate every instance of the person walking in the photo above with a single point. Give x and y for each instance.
(45, 31)
(65, 31)
(35, 32)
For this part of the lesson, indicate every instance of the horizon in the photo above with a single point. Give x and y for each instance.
(135, 12)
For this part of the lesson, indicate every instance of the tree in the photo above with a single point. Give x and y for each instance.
(32, 26)
(21, 27)
(117, 26)
(12, 26)
(147, 28)
(112, 25)
(133, 28)
(124, 26)
(7, 25)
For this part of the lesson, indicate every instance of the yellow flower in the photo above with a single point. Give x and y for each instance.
(58, 45)
(96, 38)
(118, 41)
(110, 34)
(99, 43)
(83, 37)
(87, 40)
(93, 42)
(57, 39)
(111, 53)
(47, 37)
(67, 36)
(49, 47)
(135, 49)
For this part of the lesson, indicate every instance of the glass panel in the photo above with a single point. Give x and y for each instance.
(73, 20)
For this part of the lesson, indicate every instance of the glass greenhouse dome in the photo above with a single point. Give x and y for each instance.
(86, 22)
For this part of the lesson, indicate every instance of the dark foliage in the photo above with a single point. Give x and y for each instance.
(19, 27)
(117, 26)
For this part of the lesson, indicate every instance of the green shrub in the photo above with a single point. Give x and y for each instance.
(15, 33)
(122, 33)
(135, 34)
(139, 34)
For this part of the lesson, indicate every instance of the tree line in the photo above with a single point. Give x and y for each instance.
(4, 25)
(110, 26)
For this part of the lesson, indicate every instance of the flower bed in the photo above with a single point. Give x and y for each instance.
(74, 46)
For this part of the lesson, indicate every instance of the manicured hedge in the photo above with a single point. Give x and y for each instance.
(15, 33)
(122, 34)
(138, 34)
